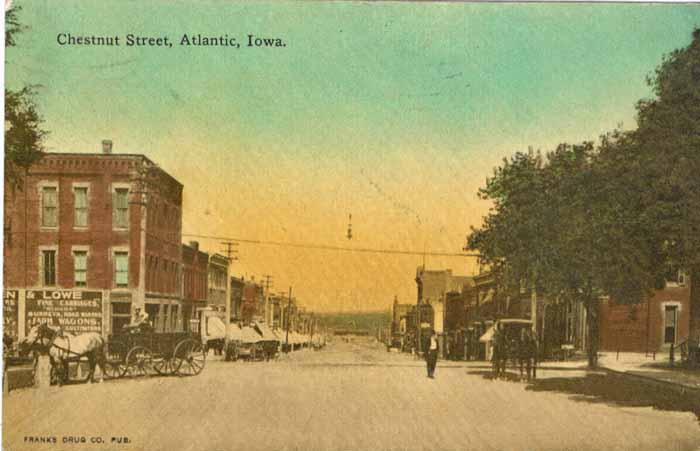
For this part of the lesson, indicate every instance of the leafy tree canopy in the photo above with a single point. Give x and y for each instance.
(24, 137)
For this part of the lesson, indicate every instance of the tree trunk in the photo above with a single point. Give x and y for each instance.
(592, 304)
(694, 327)
(533, 307)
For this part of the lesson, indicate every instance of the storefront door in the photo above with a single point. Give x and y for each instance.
(670, 323)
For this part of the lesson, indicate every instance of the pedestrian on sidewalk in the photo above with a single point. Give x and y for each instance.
(431, 354)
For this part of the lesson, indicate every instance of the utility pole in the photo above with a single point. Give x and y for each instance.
(289, 307)
(268, 284)
(230, 256)
(142, 181)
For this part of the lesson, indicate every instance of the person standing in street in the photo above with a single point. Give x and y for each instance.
(431, 354)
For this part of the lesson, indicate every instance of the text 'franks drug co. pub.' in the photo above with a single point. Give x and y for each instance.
(89, 237)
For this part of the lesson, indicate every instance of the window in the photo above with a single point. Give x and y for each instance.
(675, 276)
(681, 278)
(121, 208)
(670, 322)
(49, 206)
(121, 315)
(80, 268)
(166, 323)
(48, 263)
(121, 269)
(154, 277)
(80, 198)
(153, 311)
(174, 316)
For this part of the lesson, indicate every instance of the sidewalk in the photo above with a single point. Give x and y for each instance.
(645, 367)
(630, 364)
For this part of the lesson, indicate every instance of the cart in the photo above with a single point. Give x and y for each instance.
(145, 353)
(510, 344)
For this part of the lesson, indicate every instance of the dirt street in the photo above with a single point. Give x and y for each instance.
(350, 396)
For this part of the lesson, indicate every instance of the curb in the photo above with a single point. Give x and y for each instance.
(682, 388)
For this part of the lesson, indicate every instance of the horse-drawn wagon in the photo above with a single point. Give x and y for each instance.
(512, 341)
(73, 358)
(165, 353)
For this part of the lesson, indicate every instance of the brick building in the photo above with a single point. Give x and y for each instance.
(276, 304)
(651, 326)
(218, 271)
(236, 294)
(195, 274)
(432, 288)
(252, 302)
(98, 225)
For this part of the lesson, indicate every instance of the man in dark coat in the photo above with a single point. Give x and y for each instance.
(432, 348)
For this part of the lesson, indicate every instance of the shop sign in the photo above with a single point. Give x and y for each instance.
(75, 311)
(10, 318)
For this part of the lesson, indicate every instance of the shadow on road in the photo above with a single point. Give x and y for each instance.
(614, 390)
(509, 376)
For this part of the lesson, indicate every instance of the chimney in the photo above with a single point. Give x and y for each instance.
(106, 146)
(194, 245)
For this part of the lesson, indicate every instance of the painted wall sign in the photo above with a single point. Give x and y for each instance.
(10, 318)
(76, 311)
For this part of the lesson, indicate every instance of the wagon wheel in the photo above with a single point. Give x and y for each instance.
(164, 366)
(189, 357)
(139, 361)
(115, 364)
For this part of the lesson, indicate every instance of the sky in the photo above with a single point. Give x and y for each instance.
(393, 112)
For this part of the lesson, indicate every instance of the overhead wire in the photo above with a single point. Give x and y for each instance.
(334, 248)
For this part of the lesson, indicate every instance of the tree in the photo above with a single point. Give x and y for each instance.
(24, 137)
(601, 245)
(562, 225)
(590, 221)
(511, 240)
(669, 153)
(511, 231)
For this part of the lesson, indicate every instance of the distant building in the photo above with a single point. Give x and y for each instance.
(432, 289)
(276, 305)
(217, 273)
(398, 312)
(252, 302)
(236, 294)
(195, 268)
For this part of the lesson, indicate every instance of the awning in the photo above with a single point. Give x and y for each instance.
(280, 334)
(267, 334)
(215, 327)
(249, 335)
(235, 333)
(293, 339)
(488, 335)
(488, 298)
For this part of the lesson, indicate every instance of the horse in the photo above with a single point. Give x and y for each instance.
(63, 347)
(527, 354)
(500, 353)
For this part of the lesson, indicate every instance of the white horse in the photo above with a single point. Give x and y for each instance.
(63, 347)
